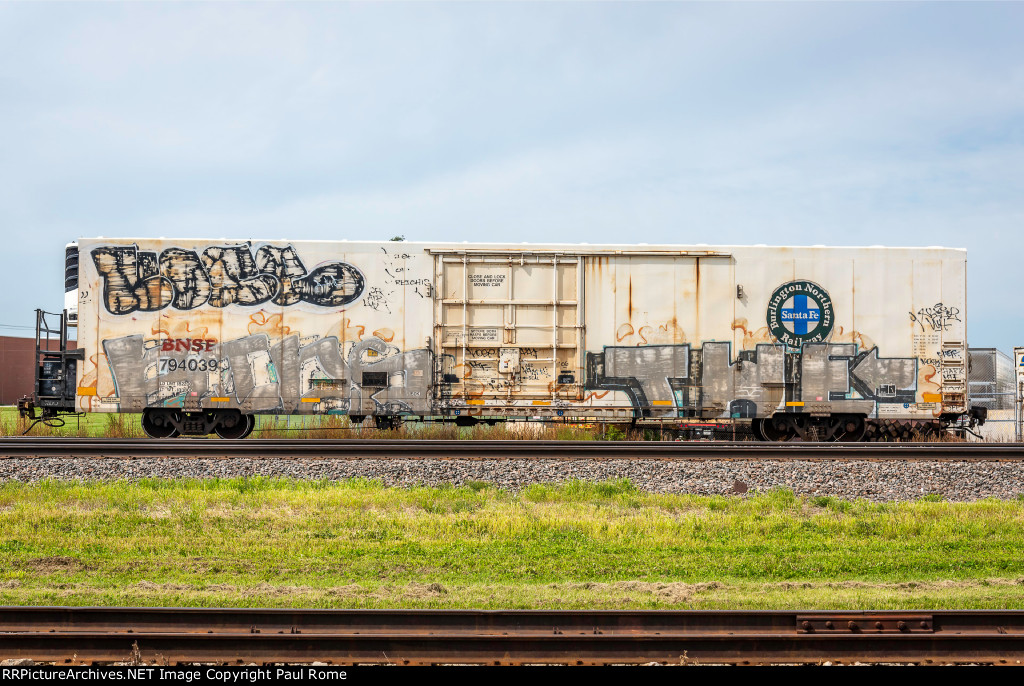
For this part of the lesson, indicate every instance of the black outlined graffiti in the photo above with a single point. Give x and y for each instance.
(234, 277)
(938, 317)
(708, 382)
(137, 280)
(187, 275)
(262, 377)
(884, 379)
(647, 375)
(131, 280)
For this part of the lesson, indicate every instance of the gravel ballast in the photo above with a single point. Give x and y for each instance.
(847, 479)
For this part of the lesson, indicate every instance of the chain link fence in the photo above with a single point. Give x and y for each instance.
(990, 384)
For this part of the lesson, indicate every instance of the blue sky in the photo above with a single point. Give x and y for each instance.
(779, 123)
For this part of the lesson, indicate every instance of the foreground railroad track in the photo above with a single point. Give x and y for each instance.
(569, 450)
(419, 637)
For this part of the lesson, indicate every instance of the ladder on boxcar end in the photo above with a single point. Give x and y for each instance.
(55, 371)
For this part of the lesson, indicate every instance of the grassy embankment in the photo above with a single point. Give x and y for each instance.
(261, 542)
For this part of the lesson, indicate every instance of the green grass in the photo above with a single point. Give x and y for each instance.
(269, 542)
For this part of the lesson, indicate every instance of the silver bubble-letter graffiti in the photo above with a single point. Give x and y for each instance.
(137, 280)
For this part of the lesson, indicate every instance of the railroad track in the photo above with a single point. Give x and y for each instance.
(353, 449)
(66, 635)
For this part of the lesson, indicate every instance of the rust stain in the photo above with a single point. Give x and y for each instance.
(925, 377)
(669, 332)
(346, 331)
(630, 306)
(273, 325)
(181, 328)
(90, 378)
(696, 297)
(473, 388)
(862, 341)
(751, 338)
(104, 384)
(385, 334)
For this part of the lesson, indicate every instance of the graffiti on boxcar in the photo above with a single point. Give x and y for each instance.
(938, 317)
(396, 270)
(708, 380)
(648, 375)
(139, 280)
(377, 299)
(362, 377)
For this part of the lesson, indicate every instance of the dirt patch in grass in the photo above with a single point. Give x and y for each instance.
(52, 565)
(922, 585)
(267, 590)
(943, 584)
(217, 566)
(417, 590)
(199, 566)
(150, 586)
(666, 592)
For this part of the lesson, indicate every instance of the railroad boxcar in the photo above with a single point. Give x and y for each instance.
(813, 342)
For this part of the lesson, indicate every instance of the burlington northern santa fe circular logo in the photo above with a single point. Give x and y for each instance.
(800, 312)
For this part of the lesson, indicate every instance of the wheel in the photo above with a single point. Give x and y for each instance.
(159, 425)
(235, 427)
(251, 424)
(757, 428)
(777, 429)
(850, 429)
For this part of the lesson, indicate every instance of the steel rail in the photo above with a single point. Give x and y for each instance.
(68, 635)
(352, 449)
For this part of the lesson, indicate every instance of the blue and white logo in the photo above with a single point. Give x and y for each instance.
(800, 312)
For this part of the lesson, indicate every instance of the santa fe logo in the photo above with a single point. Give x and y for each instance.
(800, 312)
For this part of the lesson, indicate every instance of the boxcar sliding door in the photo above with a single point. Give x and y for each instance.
(509, 325)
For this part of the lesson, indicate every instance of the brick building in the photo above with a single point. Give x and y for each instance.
(16, 367)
